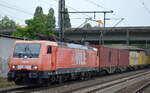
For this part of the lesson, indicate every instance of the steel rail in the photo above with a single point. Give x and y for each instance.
(102, 88)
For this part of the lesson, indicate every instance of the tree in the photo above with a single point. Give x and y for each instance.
(36, 27)
(38, 11)
(67, 22)
(6, 23)
(51, 18)
(22, 33)
(88, 25)
(39, 27)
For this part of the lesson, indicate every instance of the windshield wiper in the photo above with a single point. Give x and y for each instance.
(30, 54)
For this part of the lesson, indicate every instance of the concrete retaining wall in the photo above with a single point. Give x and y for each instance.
(6, 45)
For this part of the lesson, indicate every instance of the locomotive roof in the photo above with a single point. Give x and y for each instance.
(61, 44)
(71, 45)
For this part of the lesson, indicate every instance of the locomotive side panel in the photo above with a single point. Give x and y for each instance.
(64, 57)
(75, 58)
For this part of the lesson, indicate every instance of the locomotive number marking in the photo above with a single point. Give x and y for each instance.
(80, 58)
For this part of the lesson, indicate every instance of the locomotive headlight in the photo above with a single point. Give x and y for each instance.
(34, 67)
(14, 67)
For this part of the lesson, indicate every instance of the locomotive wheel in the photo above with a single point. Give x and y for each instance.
(88, 75)
(53, 79)
(18, 81)
(85, 76)
(60, 79)
(118, 71)
(82, 76)
(104, 72)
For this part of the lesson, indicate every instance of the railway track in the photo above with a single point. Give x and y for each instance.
(25, 89)
(142, 88)
(115, 85)
(80, 86)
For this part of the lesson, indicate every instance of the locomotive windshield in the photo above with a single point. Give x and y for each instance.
(24, 50)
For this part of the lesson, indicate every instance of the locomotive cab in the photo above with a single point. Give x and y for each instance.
(31, 61)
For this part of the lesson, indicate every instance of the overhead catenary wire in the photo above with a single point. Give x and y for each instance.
(98, 5)
(14, 6)
(15, 9)
(145, 6)
(8, 13)
(74, 10)
(12, 17)
(47, 3)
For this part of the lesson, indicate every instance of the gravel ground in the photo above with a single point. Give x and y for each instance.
(4, 83)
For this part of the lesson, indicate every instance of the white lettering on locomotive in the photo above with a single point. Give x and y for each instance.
(80, 58)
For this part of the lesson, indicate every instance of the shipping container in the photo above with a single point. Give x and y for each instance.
(123, 58)
(141, 59)
(134, 59)
(108, 57)
(147, 59)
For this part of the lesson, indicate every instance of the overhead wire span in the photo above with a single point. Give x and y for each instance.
(15, 9)
(145, 6)
(12, 16)
(75, 10)
(46, 2)
(98, 5)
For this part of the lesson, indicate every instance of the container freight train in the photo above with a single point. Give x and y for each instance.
(46, 62)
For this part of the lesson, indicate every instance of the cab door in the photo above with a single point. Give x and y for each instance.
(46, 58)
(49, 58)
(53, 58)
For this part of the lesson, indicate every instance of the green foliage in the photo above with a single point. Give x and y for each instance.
(88, 25)
(22, 33)
(39, 25)
(51, 18)
(38, 11)
(6, 23)
(67, 22)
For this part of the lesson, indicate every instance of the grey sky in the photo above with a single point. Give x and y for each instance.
(135, 12)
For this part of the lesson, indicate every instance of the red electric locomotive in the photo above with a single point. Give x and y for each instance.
(48, 62)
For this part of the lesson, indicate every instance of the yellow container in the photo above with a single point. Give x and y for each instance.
(141, 59)
(147, 59)
(134, 58)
